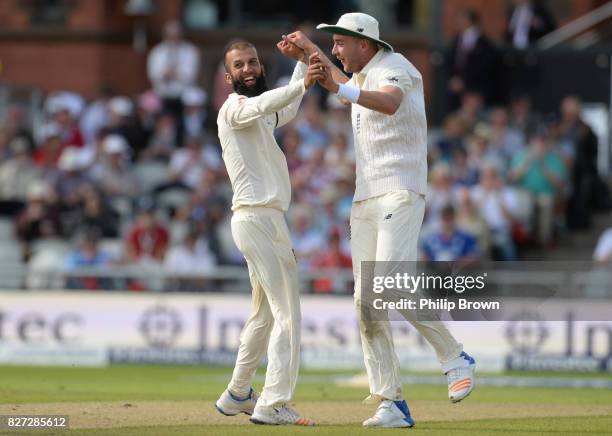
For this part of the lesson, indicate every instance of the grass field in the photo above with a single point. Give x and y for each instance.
(135, 400)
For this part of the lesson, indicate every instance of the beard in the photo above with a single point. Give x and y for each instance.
(241, 88)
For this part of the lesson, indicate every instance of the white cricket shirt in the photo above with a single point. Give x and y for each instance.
(256, 165)
(390, 150)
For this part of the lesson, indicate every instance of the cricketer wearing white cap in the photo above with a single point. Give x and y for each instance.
(390, 130)
(260, 180)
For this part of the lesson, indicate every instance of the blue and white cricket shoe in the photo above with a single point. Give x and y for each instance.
(391, 414)
(461, 380)
(230, 405)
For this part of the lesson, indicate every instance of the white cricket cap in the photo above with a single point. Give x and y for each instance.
(359, 25)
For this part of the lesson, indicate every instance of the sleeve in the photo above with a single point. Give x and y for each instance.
(241, 112)
(287, 113)
(395, 77)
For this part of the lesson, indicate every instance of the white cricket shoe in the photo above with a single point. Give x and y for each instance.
(279, 415)
(230, 405)
(461, 380)
(391, 414)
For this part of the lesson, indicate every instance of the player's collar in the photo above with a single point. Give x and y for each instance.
(372, 62)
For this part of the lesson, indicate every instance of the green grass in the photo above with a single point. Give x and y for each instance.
(598, 425)
(534, 426)
(22, 385)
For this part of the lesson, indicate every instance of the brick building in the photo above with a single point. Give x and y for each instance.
(82, 44)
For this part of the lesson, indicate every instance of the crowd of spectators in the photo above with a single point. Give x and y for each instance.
(140, 180)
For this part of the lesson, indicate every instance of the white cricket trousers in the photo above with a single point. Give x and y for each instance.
(386, 228)
(262, 236)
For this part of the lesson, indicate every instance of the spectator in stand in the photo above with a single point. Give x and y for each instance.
(449, 244)
(16, 126)
(332, 257)
(88, 255)
(473, 61)
(65, 108)
(522, 118)
(38, 219)
(148, 109)
(94, 213)
(440, 191)
(188, 164)
(327, 217)
(498, 205)
(113, 176)
(147, 241)
(315, 175)
(540, 170)
(480, 151)
(507, 140)
(173, 66)
(194, 118)
(529, 20)
(463, 172)
(16, 174)
(291, 146)
(191, 258)
(471, 221)
(452, 138)
(471, 110)
(124, 122)
(163, 142)
(96, 115)
(70, 180)
(308, 240)
(49, 151)
(311, 127)
(338, 153)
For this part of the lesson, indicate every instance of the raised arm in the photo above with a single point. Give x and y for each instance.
(243, 111)
(302, 41)
(292, 51)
